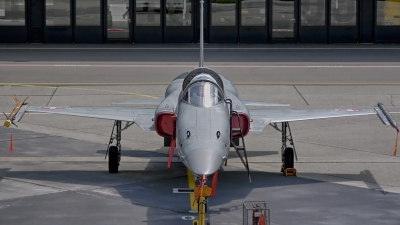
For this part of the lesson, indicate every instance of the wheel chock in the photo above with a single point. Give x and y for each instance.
(290, 172)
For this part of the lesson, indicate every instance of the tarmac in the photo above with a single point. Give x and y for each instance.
(57, 172)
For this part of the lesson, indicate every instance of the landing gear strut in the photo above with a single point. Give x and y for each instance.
(288, 153)
(114, 152)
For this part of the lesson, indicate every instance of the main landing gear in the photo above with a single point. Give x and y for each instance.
(288, 153)
(114, 151)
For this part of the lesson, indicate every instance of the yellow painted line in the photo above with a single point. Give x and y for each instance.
(85, 84)
(316, 83)
(86, 159)
(88, 89)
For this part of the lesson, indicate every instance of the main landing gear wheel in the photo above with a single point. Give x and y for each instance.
(113, 159)
(288, 165)
(289, 158)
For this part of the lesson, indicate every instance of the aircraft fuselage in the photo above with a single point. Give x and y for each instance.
(202, 118)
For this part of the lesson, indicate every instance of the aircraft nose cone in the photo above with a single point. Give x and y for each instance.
(203, 162)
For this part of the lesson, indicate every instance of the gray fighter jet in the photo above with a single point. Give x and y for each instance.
(201, 117)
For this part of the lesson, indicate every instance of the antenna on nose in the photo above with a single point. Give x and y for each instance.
(201, 35)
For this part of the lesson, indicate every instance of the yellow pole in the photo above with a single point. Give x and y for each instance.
(201, 220)
(192, 184)
(202, 212)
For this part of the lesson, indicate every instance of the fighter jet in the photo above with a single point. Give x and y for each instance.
(201, 117)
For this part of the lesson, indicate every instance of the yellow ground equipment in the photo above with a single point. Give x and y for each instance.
(290, 172)
(17, 113)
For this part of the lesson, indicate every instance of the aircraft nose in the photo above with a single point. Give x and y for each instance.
(203, 162)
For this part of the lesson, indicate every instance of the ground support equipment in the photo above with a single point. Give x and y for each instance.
(256, 213)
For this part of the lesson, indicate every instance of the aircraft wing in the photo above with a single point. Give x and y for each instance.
(143, 117)
(263, 117)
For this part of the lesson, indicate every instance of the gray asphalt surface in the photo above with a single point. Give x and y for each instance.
(57, 173)
(159, 64)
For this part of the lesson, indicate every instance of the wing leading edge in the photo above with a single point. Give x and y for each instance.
(263, 117)
(143, 117)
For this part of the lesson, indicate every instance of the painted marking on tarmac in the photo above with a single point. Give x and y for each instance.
(62, 85)
(193, 66)
(86, 159)
(72, 65)
(83, 89)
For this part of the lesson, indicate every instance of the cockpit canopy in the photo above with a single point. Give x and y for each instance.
(203, 94)
(202, 74)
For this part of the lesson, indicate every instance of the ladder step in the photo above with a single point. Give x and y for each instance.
(239, 147)
(236, 130)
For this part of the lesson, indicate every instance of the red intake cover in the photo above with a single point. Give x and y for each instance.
(164, 124)
(245, 122)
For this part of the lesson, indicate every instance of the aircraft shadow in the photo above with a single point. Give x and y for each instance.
(152, 188)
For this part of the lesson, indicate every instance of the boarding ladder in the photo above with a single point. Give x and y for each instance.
(240, 149)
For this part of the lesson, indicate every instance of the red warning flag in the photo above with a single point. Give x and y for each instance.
(395, 144)
(11, 143)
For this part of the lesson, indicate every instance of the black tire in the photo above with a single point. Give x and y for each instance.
(289, 157)
(167, 142)
(113, 159)
(236, 141)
